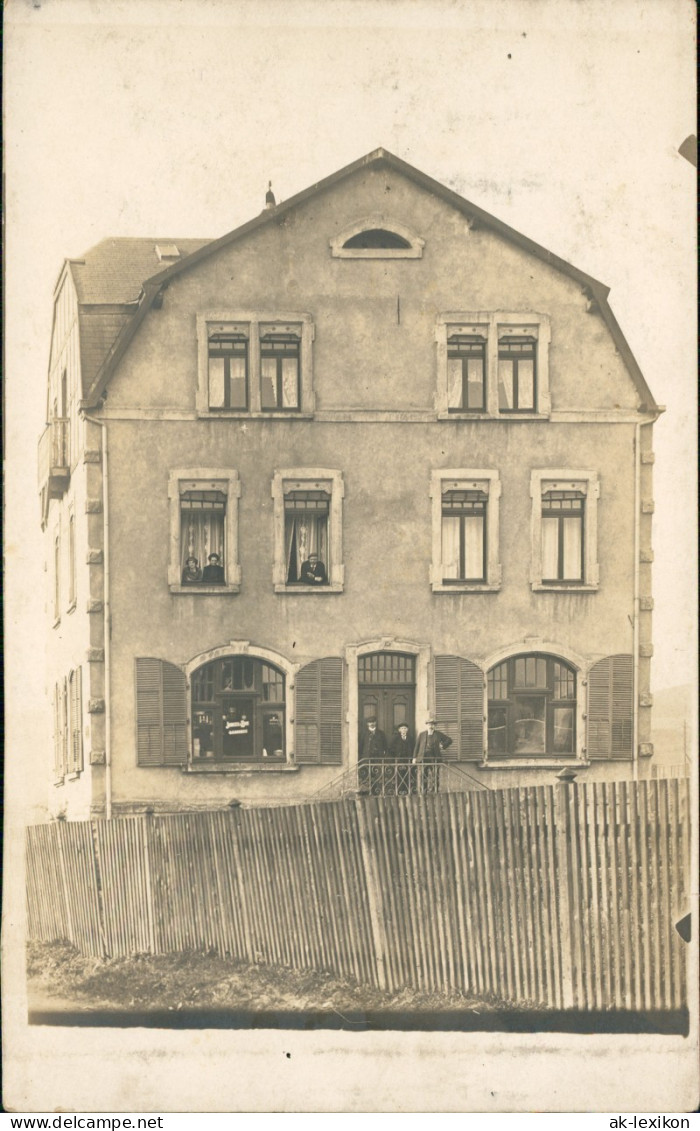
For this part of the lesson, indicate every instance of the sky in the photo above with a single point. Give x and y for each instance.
(169, 117)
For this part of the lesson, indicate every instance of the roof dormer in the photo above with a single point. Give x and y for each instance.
(377, 237)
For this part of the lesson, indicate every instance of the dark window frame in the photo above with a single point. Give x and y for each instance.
(463, 347)
(213, 353)
(267, 353)
(548, 510)
(502, 677)
(471, 506)
(505, 354)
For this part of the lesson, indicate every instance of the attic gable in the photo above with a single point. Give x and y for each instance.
(194, 252)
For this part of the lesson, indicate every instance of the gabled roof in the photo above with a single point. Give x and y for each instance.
(122, 276)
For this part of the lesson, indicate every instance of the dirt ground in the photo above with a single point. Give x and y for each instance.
(57, 974)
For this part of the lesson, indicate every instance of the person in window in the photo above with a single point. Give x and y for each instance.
(428, 751)
(401, 750)
(213, 572)
(313, 571)
(191, 574)
(373, 750)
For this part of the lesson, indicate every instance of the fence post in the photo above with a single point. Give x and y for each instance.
(145, 823)
(374, 895)
(564, 885)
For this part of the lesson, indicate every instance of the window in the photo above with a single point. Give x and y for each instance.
(493, 364)
(71, 563)
(531, 708)
(238, 711)
(308, 531)
(465, 530)
(204, 531)
(377, 237)
(562, 535)
(466, 373)
(228, 367)
(253, 363)
(517, 391)
(279, 370)
(564, 529)
(56, 578)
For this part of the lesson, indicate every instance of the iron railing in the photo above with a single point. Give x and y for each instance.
(391, 778)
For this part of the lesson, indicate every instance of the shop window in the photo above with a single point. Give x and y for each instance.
(238, 712)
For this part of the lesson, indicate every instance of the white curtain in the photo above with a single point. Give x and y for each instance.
(202, 535)
(474, 546)
(572, 548)
(550, 547)
(454, 382)
(450, 546)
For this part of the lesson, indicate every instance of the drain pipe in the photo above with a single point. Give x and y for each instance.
(635, 620)
(106, 608)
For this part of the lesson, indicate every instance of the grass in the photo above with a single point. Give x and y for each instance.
(194, 979)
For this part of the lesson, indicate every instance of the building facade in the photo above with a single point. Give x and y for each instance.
(373, 453)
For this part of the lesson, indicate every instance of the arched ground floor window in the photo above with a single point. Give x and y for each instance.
(238, 711)
(531, 707)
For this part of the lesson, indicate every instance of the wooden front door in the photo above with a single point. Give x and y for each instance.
(387, 690)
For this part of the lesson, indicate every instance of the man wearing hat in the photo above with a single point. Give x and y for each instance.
(213, 573)
(429, 748)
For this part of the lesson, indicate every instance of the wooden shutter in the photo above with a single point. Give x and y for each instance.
(459, 706)
(161, 713)
(57, 736)
(611, 708)
(319, 713)
(75, 754)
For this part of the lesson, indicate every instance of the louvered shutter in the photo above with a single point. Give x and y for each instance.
(57, 762)
(319, 712)
(161, 713)
(611, 707)
(76, 721)
(459, 706)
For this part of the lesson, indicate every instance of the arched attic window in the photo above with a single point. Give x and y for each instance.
(377, 237)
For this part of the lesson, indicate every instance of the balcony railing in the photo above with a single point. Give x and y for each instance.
(54, 457)
(389, 778)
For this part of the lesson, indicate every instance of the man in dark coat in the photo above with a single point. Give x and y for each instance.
(429, 748)
(313, 571)
(373, 751)
(213, 573)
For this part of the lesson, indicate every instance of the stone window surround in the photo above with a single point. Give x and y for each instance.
(490, 324)
(591, 573)
(471, 477)
(376, 220)
(334, 566)
(253, 319)
(232, 566)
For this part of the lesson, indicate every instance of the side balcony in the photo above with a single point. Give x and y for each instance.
(54, 458)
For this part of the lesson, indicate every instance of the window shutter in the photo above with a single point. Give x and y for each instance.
(611, 707)
(319, 712)
(459, 706)
(57, 762)
(161, 713)
(76, 721)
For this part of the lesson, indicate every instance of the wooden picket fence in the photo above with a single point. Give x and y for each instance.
(560, 896)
